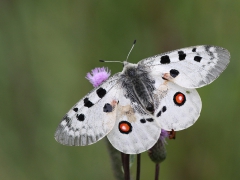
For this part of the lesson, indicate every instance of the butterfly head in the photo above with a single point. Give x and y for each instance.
(129, 69)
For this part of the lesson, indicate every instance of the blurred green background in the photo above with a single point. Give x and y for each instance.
(46, 49)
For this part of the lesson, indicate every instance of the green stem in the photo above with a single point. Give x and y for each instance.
(125, 162)
(157, 171)
(138, 166)
(116, 161)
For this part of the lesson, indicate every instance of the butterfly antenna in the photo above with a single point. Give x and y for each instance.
(134, 42)
(109, 61)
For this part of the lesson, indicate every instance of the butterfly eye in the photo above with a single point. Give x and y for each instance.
(131, 72)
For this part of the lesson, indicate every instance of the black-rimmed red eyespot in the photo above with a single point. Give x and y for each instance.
(179, 98)
(125, 127)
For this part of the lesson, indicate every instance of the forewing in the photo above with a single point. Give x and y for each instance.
(92, 117)
(177, 107)
(190, 67)
(135, 130)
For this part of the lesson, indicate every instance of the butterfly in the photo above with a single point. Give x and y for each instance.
(132, 106)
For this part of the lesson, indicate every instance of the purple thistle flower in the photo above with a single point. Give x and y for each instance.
(164, 134)
(98, 76)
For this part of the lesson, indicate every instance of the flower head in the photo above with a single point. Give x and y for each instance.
(158, 152)
(98, 75)
(164, 134)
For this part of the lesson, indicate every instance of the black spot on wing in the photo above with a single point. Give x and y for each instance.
(159, 113)
(149, 119)
(194, 49)
(80, 117)
(174, 73)
(164, 108)
(107, 108)
(165, 59)
(87, 103)
(181, 55)
(145, 120)
(75, 109)
(101, 92)
(197, 58)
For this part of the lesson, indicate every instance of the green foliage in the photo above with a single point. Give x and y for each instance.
(46, 49)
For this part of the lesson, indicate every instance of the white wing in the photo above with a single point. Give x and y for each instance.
(135, 130)
(190, 67)
(92, 117)
(177, 107)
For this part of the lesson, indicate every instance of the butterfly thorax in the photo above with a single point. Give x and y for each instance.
(139, 86)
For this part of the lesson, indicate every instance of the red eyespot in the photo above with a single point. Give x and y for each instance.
(179, 98)
(125, 127)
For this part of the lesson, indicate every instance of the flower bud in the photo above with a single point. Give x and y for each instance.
(158, 152)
